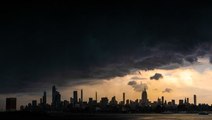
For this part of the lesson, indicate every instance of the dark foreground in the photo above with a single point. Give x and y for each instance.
(63, 116)
(69, 116)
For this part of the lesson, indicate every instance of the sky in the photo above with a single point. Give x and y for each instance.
(163, 46)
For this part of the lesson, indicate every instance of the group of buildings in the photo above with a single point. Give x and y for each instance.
(77, 104)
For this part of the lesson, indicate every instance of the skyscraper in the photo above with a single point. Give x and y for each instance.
(96, 96)
(75, 97)
(123, 98)
(44, 97)
(56, 97)
(162, 100)
(187, 100)
(11, 104)
(195, 100)
(113, 101)
(81, 96)
(144, 99)
(53, 95)
(173, 102)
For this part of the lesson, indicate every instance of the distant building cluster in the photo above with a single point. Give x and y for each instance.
(77, 104)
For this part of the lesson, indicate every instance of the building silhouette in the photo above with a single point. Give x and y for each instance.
(75, 98)
(113, 101)
(81, 99)
(56, 97)
(195, 100)
(181, 102)
(144, 99)
(123, 98)
(53, 95)
(11, 104)
(34, 103)
(104, 101)
(162, 100)
(187, 100)
(173, 102)
(44, 97)
(96, 96)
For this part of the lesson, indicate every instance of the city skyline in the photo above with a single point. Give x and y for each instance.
(106, 105)
(77, 98)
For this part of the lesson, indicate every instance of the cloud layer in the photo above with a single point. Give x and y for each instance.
(157, 76)
(138, 87)
(42, 47)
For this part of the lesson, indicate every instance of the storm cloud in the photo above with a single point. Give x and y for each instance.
(138, 87)
(157, 76)
(62, 43)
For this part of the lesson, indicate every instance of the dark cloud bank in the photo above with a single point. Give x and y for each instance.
(61, 42)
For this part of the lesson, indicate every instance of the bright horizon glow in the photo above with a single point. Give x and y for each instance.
(184, 81)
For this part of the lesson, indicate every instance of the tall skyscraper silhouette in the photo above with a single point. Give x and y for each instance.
(187, 100)
(81, 95)
(53, 95)
(11, 104)
(195, 100)
(96, 96)
(162, 100)
(56, 97)
(44, 97)
(123, 98)
(144, 99)
(75, 97)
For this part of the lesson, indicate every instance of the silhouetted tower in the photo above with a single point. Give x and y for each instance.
(173, 102)
(113, 101)
(123, 98)
(162, 100)
(11, 104)
(187, 100)
(81, 95)
(44, 97)
(195, 100)
(96, 96)
(54, 93)
(144, 97)
(56, 97)
(75, 97)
